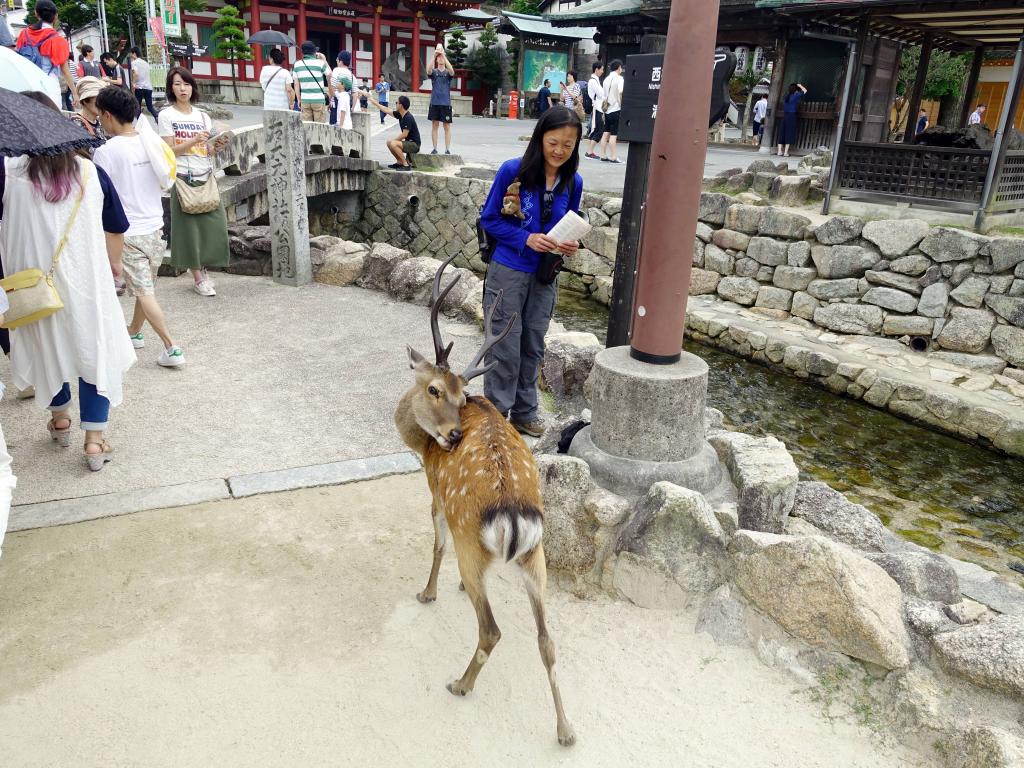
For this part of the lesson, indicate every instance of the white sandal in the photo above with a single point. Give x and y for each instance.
(97, 460)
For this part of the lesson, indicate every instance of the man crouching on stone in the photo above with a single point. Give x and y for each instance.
(407, 142)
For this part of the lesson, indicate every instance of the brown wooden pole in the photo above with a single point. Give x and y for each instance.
(674, 186)
(915, 94)
(774, 95)
(972, 84)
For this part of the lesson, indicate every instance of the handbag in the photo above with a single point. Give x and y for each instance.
(31, 292)
(577, 107)
(198, 198)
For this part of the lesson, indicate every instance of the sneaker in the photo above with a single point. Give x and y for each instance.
(208, 279)
(395, 166)
(404, 168)
(171, 358)
(433, 152)
(592, 156)
(138, 340)
(616, 161)
(605, 160)
(447, 151)
(204, 288)
(533, 428)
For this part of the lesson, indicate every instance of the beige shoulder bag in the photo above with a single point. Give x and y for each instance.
(31, 292)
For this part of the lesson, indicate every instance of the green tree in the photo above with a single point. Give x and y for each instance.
(457, 47)
(513, 62)
(529, 7)
(947, 74)
(485, 62)
(229, 31)
(743, 83)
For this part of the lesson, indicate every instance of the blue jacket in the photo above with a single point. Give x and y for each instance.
(509, 233)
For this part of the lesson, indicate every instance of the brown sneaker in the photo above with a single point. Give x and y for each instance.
(533, 428)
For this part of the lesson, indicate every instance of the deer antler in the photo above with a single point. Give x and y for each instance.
(437, 297)
(490, 339)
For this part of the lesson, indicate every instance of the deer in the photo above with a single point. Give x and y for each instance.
(484, 487)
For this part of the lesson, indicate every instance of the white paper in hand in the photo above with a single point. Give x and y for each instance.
(571, 227)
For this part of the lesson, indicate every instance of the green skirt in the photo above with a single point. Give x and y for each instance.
(198, 239)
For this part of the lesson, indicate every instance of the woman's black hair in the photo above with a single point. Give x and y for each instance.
(187, 77)
(792, 88)
(531, 167)
(277, 56)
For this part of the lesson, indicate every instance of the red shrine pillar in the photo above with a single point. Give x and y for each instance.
(254, 27)
(416, 79)
(300, 29)
(377, 63)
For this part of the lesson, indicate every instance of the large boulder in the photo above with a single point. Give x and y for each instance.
(718, 260)
(378, 265)
(769, 297)
(839, 518)
(843, 261)
(341, 265)
(712, 207)
(920, 574)
(569, 527)
(672, 549)
(971, 292)
(895, 237)
(742, 290)
(862, 320)
(990, 655)
(411, 279)
(1006, 253)
(1010, 308)
(790, 190)
(1008, 343)
(764, 475)
(894, 280)
(744, 218)
(793, 278)
(602, 241)
(839, 230)
(933, 300)
(777, 223)
(587, 262)
(967, 330)
(944, 244)
(890, 298)
(825, 594)
(845, 288)
(730, 239)
(914, 265)
(703, 281)
(767, 251)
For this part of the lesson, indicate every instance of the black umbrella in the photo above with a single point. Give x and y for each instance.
(30, 128)
(270, 37)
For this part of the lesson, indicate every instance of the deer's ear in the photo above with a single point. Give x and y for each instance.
(415, 358)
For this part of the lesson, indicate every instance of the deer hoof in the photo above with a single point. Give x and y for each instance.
(568, 738)
(456, 688)
(424, 598)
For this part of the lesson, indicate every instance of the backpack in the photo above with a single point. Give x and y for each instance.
(33, 52)
(588, 103)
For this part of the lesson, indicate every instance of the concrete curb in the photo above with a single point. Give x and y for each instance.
(67, 511)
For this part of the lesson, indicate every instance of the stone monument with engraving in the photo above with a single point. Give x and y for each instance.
(285, 142)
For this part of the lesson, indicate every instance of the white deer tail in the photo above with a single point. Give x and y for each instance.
(510, 531)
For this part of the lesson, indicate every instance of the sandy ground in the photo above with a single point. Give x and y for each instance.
(282, 630)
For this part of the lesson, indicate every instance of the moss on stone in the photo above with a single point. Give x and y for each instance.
(977, 549)
(972, 533)
(923, 538)
(928, 523)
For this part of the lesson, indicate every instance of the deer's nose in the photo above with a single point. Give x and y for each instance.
(455, 436)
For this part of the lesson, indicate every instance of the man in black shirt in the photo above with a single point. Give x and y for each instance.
(544, 97)
(407, 143)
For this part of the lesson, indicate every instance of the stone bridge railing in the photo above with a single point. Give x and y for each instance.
(337, 160)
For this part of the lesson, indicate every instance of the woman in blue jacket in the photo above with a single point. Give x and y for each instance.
(549, 186)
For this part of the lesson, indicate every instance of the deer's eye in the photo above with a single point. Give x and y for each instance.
(433, 391)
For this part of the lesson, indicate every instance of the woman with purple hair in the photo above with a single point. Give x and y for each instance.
(52, 211)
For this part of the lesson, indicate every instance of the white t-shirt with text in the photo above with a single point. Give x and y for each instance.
(182, 127)
(125, 160)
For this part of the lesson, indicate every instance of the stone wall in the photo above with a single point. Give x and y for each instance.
(948, 290)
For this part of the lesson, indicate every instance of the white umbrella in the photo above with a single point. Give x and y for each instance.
(19, 74)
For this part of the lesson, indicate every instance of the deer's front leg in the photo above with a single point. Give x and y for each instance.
(429, 594)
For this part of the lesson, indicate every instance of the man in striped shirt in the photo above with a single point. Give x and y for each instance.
(310, 73)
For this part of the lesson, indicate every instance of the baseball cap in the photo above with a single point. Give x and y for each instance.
(89, 87)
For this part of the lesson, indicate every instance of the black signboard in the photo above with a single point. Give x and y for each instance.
(186, 50)
(642, 86)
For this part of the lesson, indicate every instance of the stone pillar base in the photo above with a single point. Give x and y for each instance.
(632, 478)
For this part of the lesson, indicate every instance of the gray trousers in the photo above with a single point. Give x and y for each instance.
(512, 385)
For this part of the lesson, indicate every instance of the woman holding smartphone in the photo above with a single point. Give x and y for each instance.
(549, 186)
(198, 240)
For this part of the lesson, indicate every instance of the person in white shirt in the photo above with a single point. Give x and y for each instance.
(141, 82)
(7, 479)
(596, 93)
(125, 160)
(760, 111)
(977, 115)
(276, 82)
(343, 81)
(612, 107)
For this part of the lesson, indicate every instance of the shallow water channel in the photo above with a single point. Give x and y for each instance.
(943, 493)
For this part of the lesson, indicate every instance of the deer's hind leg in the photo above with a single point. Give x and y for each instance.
(535, 576)
(473, 562)
(429, 594)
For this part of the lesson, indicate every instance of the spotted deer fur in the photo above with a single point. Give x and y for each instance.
(485, 491)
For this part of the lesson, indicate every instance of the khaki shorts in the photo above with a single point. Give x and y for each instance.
(143, 255)
(314, 113)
